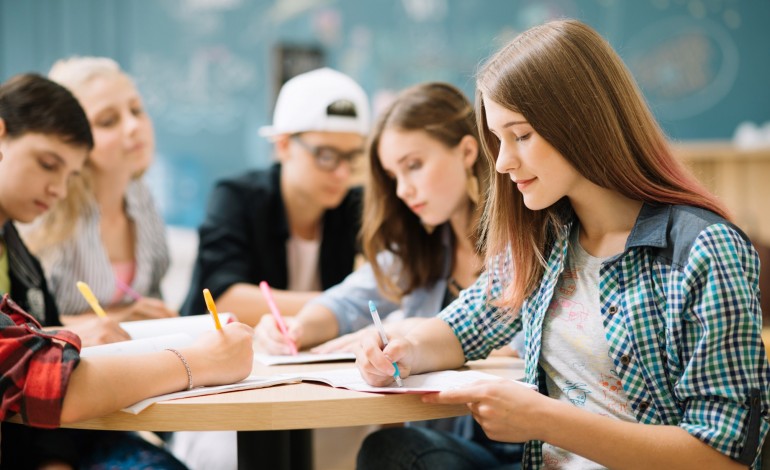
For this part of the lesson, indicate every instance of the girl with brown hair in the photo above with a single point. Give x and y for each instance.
(421, 206)
(638, 299)
(421, 203)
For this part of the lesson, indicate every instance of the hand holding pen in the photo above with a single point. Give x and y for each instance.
(396, 374)
(376, 364)
(279, 320)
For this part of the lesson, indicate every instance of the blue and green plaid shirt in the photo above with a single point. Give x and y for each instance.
(681, 317)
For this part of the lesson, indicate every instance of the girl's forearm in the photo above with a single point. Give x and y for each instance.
(436, 347)
(101, 385)
(624, 445)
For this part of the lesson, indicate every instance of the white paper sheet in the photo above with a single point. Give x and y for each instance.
(193, 325)
(139, 346)
(303, 358)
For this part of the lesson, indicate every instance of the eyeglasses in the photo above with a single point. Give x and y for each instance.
(329, 158)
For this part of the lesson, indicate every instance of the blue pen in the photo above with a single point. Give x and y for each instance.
(384, 338)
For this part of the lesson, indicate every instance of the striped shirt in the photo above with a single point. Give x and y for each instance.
(681, 315)
(83, 257)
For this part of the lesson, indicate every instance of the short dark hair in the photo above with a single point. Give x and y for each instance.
(32, 103)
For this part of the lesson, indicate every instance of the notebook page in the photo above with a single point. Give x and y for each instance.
(303, 358)
(193, 325)
(422, 383)
(139, 346)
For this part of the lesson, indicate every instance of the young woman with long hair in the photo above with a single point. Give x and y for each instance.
(638, 298)
(420, 201)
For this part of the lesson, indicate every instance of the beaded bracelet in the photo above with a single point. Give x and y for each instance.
(186, 367)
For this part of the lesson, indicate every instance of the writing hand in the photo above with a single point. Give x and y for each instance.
(97, 330)
(376, 364)
(222, 356)
(270, 339)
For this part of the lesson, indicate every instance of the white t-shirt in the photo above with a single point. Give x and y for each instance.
(575, 353)
(302, 259)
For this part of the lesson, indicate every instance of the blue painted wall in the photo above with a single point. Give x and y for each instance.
(205, 66)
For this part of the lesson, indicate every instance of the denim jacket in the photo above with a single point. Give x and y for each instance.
(349, 300)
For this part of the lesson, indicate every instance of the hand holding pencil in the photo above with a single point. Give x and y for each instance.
(212, 308)
(85, 290)
(100, 330)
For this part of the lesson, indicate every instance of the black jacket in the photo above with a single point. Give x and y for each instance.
(28, 284)
(243, 239)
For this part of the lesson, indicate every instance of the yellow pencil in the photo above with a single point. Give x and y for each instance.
(212, 307)
(91, 299)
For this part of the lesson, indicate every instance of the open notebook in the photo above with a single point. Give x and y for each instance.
(157, 335)
(348, 378)
(303, 358)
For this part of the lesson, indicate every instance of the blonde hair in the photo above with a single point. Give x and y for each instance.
(58, 223)
(576, 92)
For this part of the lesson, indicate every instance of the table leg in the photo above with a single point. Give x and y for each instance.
(279, 450)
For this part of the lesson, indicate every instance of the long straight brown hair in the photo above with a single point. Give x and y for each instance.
(444, 114)
(577, 93)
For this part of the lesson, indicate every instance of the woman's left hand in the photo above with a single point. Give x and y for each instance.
(507, 411)
(145, 308)
(346, 343)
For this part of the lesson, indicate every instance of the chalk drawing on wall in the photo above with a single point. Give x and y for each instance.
(199, 17)
(175, 182)
(282, 10)
(212, 5)
(327, 25)
(685, 66)
(421, 11)
(204, 92)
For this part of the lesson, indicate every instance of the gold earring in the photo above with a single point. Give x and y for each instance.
(472, 186)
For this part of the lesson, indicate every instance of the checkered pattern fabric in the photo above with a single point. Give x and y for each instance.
(682, 319)
(36, 367)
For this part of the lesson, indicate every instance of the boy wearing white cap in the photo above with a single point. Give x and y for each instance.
(295, 224)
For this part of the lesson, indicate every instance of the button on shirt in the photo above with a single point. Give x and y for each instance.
(685, 338)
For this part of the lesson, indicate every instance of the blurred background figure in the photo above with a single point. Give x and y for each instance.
(107, 232)
(293, 225)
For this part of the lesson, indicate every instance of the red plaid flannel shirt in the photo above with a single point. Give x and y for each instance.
(35, 367)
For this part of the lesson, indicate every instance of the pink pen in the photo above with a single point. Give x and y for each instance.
(277, 316)
(128, 290)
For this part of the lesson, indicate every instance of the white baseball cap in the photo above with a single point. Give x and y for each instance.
(321, 100)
